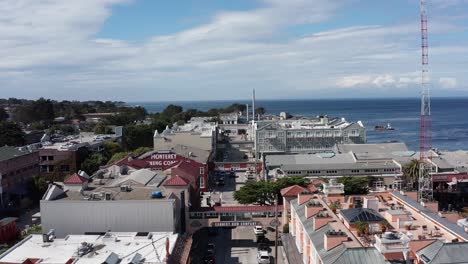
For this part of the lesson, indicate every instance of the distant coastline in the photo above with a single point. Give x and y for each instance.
(450, 125)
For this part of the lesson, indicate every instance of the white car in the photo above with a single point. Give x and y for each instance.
(263, 257)
(258, 230)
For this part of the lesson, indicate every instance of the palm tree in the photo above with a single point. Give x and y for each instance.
(411, 172)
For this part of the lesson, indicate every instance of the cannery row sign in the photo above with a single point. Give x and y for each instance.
(235, 223)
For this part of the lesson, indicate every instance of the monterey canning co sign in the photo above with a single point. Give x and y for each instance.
(163, 159)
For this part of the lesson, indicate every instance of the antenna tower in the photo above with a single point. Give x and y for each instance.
(425, 191)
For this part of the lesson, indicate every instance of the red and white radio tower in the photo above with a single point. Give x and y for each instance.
(425, 192)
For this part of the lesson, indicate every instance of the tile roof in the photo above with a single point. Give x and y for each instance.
(361, 214)
(131, 162)
(176, 180)
(75, 179)
(188, 171)
(441, 253)
(292, 191)
(416, 245)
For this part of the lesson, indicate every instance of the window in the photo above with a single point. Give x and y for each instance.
(64, 168)
(371, 170)
(202, 182)
(202, 170)
(47, 168)
(332, 171)
(354, 171)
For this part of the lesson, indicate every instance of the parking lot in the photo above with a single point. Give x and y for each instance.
(238, 245)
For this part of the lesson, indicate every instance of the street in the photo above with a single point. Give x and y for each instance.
(238, 245)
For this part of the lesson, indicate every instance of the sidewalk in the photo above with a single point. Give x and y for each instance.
(289, 246)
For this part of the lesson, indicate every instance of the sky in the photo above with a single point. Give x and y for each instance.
(147, 50)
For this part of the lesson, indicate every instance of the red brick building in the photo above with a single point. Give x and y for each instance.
(198, 160)
(16, 169)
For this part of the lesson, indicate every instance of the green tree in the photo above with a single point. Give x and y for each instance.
(411, 173)
(141, 150)
(37, 187)
(136, 136)
(111, 148)
(3, 114)
(11, 134)
(355, 185)
(91, 164)
(265, 192)
(261, 192)
(260, 111)
(284, 182)
(101, 128)
(116, 157)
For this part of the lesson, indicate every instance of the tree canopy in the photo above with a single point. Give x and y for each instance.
(11, 134)
(264, 193)
(3, 114)
(91, 164)
(355, 185)
(411, 173)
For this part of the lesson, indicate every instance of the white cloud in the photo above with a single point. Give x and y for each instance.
(447, 82)
(49, 48)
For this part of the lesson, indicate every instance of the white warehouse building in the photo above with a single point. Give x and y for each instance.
(310, 135)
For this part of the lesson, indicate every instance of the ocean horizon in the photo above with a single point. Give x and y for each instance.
(449, 120)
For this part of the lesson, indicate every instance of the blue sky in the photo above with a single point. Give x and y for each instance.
(146, 50)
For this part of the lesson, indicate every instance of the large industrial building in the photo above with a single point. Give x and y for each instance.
(310, 135)
(383, 161)
(109, 248)
(120, 199)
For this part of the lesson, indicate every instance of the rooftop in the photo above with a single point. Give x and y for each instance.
(7, 153)
(440, 252)
(136, 185)
(320, 161)
(361, 214)
(308, 123)
(76, 141)
(432, 216)
(95, 248)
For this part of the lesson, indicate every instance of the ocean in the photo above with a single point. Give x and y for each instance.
(449, 116)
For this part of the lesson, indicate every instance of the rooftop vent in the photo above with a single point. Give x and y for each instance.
(49, 237)
(156, 195)
(84, 248)
(125, 188)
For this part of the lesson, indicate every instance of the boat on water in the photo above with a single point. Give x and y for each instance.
(383, 128)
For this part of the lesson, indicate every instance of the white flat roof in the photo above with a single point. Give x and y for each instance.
(124, 245)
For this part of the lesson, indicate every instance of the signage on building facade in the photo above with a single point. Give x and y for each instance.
(163, 159)
(235, 223)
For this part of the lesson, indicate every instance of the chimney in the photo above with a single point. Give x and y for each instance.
(334, 238)
(321, 219)
(451, 216)
(431, 205)
(312, 208)
(303, 197)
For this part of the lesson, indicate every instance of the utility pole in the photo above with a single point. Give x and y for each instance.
(276, 229)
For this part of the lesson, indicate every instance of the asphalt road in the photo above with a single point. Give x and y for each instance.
(238, 245)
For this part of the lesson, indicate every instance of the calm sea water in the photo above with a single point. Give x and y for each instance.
(449, 116)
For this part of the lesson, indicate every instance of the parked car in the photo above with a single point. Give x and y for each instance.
(258, 230)
(263, 257)
(210, 248)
